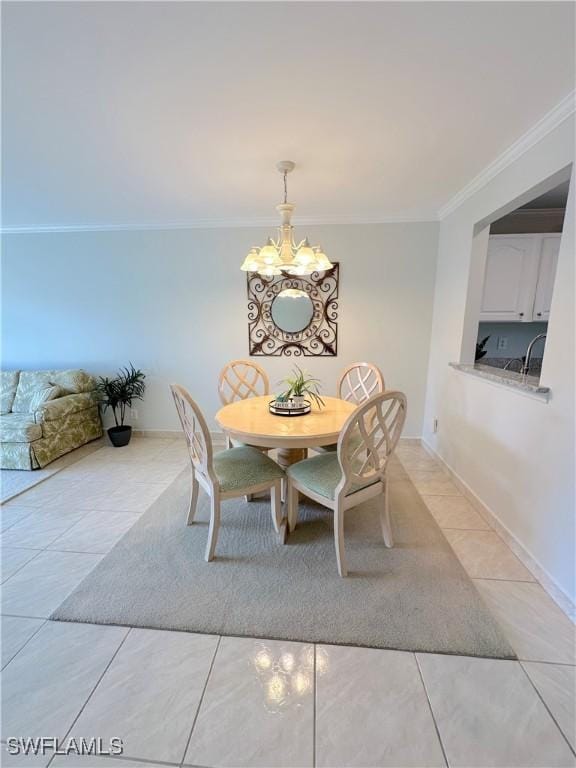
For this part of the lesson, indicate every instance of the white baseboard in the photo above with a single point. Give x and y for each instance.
(218, 438)
(159, 434)
(171, 434)
(526, 558)
(411, 441)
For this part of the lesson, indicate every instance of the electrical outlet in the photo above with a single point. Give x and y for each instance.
(435, 425)
(502, 342)
(134, 412)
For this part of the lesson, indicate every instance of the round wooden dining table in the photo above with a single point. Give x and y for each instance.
(250, 422)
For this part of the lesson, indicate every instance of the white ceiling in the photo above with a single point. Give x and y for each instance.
(144, 113)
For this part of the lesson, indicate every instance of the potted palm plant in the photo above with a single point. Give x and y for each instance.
(299, 385)
(118, 394)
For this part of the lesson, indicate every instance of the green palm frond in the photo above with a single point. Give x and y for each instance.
(301, 383)
(120, 392)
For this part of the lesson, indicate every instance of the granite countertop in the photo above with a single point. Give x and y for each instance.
(523, 383)
(501, 362)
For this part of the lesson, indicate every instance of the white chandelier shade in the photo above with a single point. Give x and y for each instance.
(284, 255)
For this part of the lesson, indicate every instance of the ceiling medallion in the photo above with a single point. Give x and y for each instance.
(285, 256)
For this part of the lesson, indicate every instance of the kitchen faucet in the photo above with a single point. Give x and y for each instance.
(526, 366)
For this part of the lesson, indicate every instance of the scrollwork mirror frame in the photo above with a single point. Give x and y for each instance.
(318, 339)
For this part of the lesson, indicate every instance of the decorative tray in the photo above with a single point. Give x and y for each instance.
(285, 409)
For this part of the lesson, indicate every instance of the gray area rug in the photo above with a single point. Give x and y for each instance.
(414, 597)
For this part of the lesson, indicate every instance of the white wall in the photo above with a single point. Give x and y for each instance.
(515, 452)
(174, 303)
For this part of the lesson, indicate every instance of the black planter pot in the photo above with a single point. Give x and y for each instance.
(120, 436)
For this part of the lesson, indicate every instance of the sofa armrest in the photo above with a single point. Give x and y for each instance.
(64, 406)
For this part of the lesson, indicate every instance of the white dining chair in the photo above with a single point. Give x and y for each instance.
(356, 384)
(240, 379)
(360, 381)
(225, 475)
(356, 472)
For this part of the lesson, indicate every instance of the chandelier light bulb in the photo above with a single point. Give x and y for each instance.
(322, 261)
(305, 255)
(252, 261)
(269, 254)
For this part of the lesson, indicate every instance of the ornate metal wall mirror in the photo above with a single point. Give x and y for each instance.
(293, 315)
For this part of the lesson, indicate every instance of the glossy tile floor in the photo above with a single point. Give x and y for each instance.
(199, 700)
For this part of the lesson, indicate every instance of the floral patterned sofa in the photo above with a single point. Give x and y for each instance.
(45, 414)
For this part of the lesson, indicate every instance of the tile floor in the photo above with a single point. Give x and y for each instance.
(199, 700)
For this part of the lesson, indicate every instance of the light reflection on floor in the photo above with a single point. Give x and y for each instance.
(287, 677)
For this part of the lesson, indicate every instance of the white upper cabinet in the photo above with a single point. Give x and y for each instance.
(509, 279)
(519, 277)
(546, 275)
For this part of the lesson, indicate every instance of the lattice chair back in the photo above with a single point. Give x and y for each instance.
(359, 382)
(369, 438)
(196, 432)
(241, 379)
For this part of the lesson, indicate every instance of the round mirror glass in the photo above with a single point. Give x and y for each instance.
(292, 310)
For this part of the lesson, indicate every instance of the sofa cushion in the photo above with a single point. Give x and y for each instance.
(8, 385)
(53, 410)
(42, 396)
(19, 428)
(72, 381)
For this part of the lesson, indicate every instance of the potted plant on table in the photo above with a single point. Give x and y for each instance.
(299, 385)
(119, 393)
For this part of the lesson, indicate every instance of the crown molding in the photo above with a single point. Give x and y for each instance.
(232, 223)
(539, 130)
(542, 128)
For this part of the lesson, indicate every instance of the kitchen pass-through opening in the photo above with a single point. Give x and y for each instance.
(514, 266)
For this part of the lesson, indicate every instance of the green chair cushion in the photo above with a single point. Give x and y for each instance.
(322, 474)
(239, 468)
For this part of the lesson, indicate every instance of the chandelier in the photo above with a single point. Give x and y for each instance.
(285, 256)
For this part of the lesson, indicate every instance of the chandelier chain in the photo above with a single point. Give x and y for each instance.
(285, 187)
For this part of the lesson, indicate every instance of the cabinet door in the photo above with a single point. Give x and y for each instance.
(546, 276)
(510, 278)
